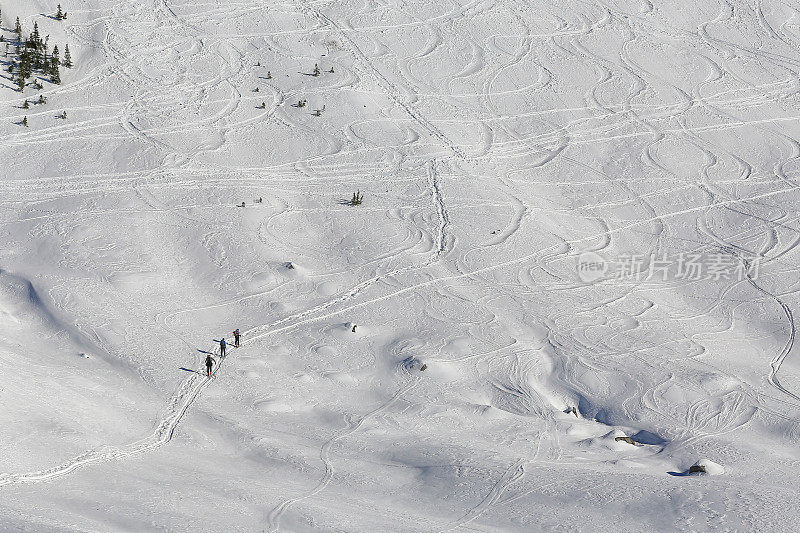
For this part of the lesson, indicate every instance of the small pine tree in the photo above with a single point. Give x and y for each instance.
(25, 121)
(18, 30)
(42, 99)
(51, 64)
(25, 104)
(316, 70)
(67, 57)
(55, 76)
(59, 13)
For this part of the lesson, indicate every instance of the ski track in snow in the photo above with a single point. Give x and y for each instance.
(438, 202)
(176, 408)
(775, 364)
(324, 455)
(514, 473)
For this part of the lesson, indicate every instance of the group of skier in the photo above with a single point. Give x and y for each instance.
(222, 347)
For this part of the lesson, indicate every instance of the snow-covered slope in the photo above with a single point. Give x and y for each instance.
(581, 219)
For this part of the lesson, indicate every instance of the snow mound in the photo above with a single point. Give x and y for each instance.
(20, 304)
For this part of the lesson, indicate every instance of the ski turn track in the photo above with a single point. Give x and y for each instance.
(513, 474)
(776, 363)
(324, 455)
(176, 408)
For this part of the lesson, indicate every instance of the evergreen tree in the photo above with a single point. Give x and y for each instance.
(55, 77)
(35, 38)
(18, 30)
(25, 105)
(35, 44)
(59, 13)
(51, 62)
(52, 66)
(25, 121)
(26, 63)
(54, 61)
(67, 57)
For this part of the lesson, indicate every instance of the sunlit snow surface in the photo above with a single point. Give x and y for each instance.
(496, 144)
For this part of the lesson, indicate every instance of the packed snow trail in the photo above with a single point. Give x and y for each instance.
(177, 406)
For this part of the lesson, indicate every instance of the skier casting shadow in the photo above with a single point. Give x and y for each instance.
(222, 346)
(209, 364)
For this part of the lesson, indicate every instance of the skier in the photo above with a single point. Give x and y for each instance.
(209, 364)
(236, 337)
(222, 346)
